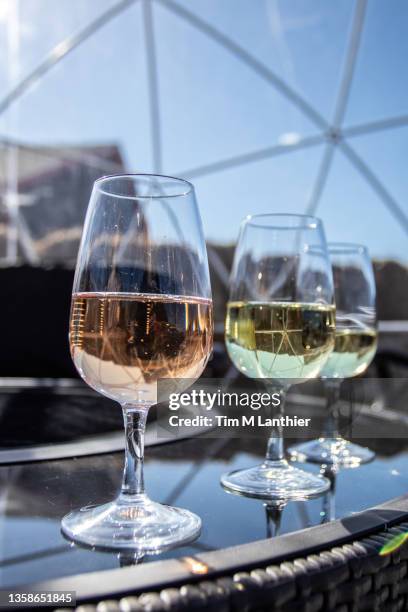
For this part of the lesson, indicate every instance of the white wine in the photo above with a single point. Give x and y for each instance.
(354, 349)
(122, 343)
(279, 340)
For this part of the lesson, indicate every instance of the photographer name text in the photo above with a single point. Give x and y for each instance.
(220, 420)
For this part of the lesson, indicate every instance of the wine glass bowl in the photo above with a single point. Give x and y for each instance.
(141, 311)
(279, 328)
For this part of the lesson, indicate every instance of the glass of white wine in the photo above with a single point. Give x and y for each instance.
(355, 347)
(280, 327)
(141, 311)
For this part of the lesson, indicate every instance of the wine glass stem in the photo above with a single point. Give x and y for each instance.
(274, 449)
(135, 425)
(329, 498)
(333, 398)
(273, 518)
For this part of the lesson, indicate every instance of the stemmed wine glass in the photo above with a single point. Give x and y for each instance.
(279, 327)
(141, 311)
(355, 347)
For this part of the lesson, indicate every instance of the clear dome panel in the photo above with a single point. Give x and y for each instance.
(96, 94)
(85, 118)
(353, 212)
(278, 184)
(386, 154)
(212, 105)
(33, 29)
(379, 86)
(302, 42)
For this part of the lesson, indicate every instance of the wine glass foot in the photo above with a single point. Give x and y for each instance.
(135, 523)
(277, 481)
(332, 451)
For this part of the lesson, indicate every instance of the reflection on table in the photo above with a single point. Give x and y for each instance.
(34, 496)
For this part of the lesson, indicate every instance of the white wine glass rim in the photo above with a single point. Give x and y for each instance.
(271, 221)
(185, 186)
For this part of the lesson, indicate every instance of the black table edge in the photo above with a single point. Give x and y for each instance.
(157, 575)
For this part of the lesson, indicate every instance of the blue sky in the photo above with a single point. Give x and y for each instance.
(213, 107)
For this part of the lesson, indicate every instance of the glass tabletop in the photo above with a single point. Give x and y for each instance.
(35, 496)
